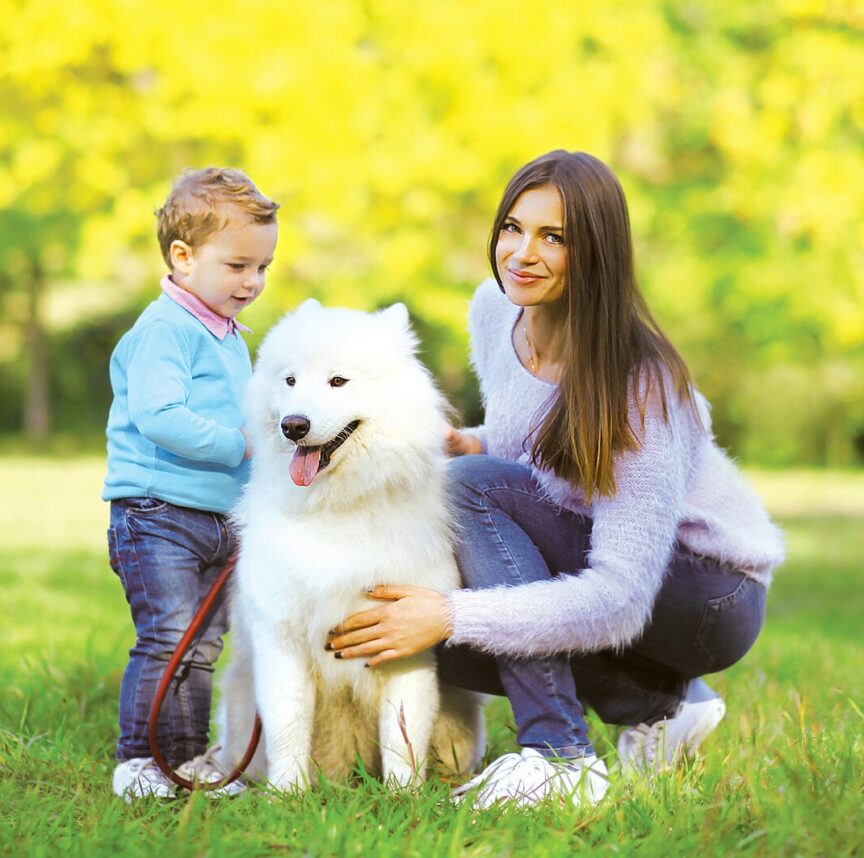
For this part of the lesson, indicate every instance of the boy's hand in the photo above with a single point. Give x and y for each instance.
(458, 443)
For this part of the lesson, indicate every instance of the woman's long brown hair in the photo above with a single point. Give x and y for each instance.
(614, 351)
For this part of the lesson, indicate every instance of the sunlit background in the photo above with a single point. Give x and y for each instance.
(387, 130)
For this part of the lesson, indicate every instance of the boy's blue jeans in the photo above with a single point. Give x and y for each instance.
(167, 558)
(705, 617)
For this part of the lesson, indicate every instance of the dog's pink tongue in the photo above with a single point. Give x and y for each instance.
(304, 465)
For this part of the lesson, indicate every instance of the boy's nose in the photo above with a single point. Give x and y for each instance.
(254, 280)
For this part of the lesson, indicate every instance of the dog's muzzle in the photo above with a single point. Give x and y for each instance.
(295, 427)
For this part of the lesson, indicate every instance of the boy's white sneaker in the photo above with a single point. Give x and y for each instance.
(141, 778)
(203, 769)
(655, 747)
(528, 778)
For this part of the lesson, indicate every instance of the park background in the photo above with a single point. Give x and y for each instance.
(387, 131)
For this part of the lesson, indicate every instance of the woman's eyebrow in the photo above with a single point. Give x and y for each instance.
(546, 228)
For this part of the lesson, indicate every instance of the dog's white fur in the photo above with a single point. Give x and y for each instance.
(376, 515)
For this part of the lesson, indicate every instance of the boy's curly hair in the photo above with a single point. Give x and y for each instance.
(202, 202)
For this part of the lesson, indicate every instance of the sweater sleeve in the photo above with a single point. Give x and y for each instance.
(160, 379)
(607, 604)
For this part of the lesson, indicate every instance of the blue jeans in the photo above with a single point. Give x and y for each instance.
(705, 617)
(167, 558)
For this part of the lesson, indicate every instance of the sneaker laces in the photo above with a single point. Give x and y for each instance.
(487, 779)
(530, 777)
(664, 742)
(203, 768)
(139, 777)
(646, 742)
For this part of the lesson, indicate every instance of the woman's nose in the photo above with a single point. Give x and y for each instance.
(527, 249)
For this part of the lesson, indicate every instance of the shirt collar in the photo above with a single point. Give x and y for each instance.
(218, 325)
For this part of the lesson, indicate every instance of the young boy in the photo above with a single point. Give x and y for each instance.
(177, 460)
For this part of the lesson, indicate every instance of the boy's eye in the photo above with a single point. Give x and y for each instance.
(236, 266)
(290, 381)
(263, 268)
(338, 381)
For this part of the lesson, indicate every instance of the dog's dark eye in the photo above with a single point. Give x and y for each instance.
(338, 381)
(290, 381)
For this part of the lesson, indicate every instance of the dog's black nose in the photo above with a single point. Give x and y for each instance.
(295, 427)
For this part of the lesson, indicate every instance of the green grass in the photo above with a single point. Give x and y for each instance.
(782, 775)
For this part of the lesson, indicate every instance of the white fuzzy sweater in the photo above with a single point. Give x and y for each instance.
(678, 486)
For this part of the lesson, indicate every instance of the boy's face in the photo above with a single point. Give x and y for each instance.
(227, 271)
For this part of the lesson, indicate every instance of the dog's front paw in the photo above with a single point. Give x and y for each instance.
(289, 781)
(402, 777)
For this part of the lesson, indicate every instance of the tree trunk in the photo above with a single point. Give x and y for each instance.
(36, 404)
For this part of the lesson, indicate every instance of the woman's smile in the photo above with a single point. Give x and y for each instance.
(524, 278)
(530, 254)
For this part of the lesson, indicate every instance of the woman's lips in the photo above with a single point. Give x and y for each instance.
(524, 278)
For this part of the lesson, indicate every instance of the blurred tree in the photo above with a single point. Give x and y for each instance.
(387, 132)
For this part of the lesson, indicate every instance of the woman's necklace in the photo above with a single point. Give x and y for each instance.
(531, 359)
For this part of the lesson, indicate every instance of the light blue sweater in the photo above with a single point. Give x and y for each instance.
(174, 426)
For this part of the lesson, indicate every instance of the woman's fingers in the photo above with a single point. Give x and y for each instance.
(362, 620)
(392, 593)
(381, 658)
(361, 636)
(412, 620)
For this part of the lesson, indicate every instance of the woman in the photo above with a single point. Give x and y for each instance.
(610, 552)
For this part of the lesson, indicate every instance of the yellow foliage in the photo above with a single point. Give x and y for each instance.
(387, 131)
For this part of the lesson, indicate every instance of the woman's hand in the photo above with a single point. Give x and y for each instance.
(458, 443)
(414, 619)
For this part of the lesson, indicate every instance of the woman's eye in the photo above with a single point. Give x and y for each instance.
(290, 381)
(338, 381)
(555, 238)
(509, 227)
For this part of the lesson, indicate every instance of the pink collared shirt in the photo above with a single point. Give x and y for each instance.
(218, 325)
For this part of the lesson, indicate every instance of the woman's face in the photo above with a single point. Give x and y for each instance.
(531, 257)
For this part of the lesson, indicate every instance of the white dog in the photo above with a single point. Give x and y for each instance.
(347, 491)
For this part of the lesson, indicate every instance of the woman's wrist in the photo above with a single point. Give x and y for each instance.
(448, 616)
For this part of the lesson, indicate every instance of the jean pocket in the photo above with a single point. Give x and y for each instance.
(730, 625)
(145, 506)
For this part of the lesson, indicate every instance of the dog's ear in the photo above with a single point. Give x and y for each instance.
(308, 304)
(397, 316)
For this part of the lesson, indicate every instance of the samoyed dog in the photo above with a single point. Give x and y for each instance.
(347, 491)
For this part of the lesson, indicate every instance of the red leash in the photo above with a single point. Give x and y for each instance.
(165, 684)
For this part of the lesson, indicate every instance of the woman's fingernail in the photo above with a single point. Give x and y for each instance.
(337, 655)
(328, 646)
(331, 633)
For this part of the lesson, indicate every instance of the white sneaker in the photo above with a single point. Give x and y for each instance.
(141, 778)
(643, 748)
(203, 769)
(528, 778)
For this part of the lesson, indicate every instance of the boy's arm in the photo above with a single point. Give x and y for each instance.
(159, 385)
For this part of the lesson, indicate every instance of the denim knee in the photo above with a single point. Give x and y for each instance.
(161, 644)
(472, 477)
(467, 474)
